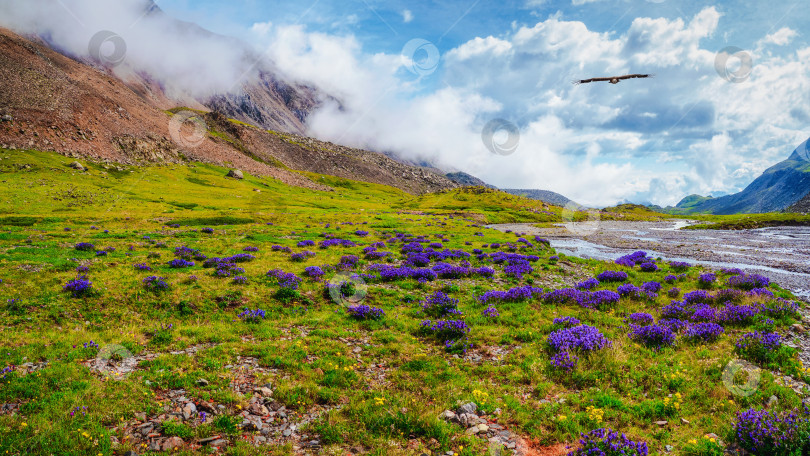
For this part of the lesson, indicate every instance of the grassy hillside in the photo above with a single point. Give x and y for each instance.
(173, 365)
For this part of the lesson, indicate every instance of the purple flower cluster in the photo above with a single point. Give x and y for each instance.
(156, 284)
(142, 267)
(207, 230)
(252, 316)
(640, 318)
(513, 295)
(737, 315)
(178, 263)
(250, 248)
(612, 276)
(188, 253)
(748, 281)
(364, 312)
(348, 262)
(648, 267)
(336, 242)
(227, 269)
(607, 442)
(674, 292)
(301, 256)
(655, 336)
(589, 284)
(517, 268)
(703, 332)
(564, 360)
(285, 279)
(362, 233)
(306, 243)
(600, 299)
(773, 433)
(679, 266)
(279, 248)
(491, 312)
(79, 286)
(580, 338)
(633, 259)
(239, 258)
(84, 246)
(314, 272)
(240, 280)
(445, 330)
(439, 305)
(758, 346)
(780, 308)
(707, 279)
(448, 271)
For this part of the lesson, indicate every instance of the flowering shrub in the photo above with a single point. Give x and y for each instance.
(607, 442)
(240, 280)
(301, 256)
(207, 230)
(748, 281)
(314, 272)
(707, 279)
(780, 308)
(513, 295)
(84, 246)
(445, 330)
(600, 299)
(362, 233)
(674, 292)
(772, 433)
(698, 296)
(491, 312)
(589, 284)
(633, 259)
(580, 338)
(679, 266)
(364, 312)
(155, 284)
(278, 248)
(252, 316)
(306, 243)
(702, 313)
(348, 262)
(759, 347)
(517, 267)
(440, 305)
(79, 287)
(240, 258)
(250, 248)
(142, 267)
(640, 318)
(612, 276)
(703, 332)
(655, 336)
(737, 315)
(564, 361)
(648, 267)
(178, 263)
(285, 279)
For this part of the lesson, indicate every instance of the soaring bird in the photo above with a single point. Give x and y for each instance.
(614, 79)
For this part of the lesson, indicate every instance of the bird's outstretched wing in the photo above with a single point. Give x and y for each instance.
(613, 79)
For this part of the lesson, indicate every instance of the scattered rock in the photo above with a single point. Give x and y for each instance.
(469, 407)
(77, 166)
(236, 174)
(684, 421)
(172, 442)
(7, 118)
(662, 423)
(202, 382)
(773, 401)
(669, 448)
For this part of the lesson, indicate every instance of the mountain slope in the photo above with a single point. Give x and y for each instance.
(779, 187)
(54, 103)
(546, 196)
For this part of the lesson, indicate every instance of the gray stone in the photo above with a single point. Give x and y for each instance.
(202, 382)
(172, 443)
(221, 443)
(469, 407)
(7, 118)
(669, 448)
(236, 174)
(77, 166)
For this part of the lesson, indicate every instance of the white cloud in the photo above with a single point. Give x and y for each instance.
(407, 16)
(261, 28)
(781, 37)
(596, 143)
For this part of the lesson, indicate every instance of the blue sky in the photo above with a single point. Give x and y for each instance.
(428, 80)
(686, 131)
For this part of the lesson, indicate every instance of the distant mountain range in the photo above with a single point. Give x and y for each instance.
(784, 186)
(545, 196)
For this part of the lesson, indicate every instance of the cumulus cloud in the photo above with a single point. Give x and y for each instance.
(688, 130)
(407, 16)
(781, 37)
